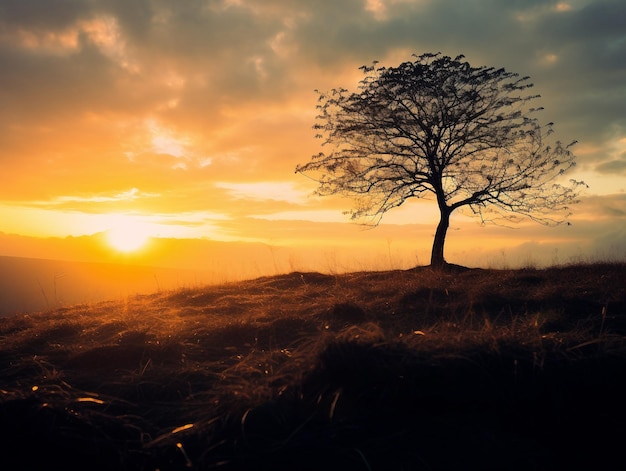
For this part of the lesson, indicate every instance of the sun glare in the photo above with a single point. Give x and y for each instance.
(128, 235)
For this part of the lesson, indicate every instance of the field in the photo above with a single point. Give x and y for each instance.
(399, 370)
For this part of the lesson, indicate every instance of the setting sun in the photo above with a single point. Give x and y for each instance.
(128, 235)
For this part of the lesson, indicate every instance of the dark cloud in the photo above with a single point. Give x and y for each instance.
(598, 20)
(616, 166)
(42, 14)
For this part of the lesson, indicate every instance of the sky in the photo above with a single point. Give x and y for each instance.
(187, 119)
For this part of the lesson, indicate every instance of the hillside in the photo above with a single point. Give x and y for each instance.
(401, 370)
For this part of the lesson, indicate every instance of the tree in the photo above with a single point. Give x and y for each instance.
(438, 128)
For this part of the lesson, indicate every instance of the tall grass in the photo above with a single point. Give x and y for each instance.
(414, 369)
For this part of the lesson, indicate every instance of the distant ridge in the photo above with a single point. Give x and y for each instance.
(32, 284)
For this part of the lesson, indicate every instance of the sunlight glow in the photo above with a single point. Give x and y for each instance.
(128, 234)
(563, 6)
(166, 141)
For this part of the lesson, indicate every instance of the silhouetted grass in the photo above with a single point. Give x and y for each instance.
(401, 370)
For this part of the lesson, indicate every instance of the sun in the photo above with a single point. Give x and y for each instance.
(128, 235)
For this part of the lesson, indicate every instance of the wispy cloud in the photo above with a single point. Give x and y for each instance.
(264, 191)
(67, 201)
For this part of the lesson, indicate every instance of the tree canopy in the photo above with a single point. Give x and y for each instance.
(436, 127)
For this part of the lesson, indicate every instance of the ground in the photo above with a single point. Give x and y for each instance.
(401, 370)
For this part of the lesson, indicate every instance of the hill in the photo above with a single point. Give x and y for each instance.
(469, 369)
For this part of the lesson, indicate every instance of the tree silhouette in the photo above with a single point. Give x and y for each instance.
(438, 128)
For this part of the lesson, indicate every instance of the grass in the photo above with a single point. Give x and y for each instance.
(398, 370)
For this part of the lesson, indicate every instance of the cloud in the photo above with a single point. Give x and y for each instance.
(612, 207)
(92, 203)
(320, 215)
(264, 191)
(616, 166)
(129, 195)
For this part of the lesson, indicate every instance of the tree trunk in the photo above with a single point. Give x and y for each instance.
(436, 258)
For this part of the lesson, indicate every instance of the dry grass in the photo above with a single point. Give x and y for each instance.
(467, 369)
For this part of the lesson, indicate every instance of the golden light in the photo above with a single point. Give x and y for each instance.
(128, 234)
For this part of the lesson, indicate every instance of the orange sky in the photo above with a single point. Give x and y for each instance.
(187, 119)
